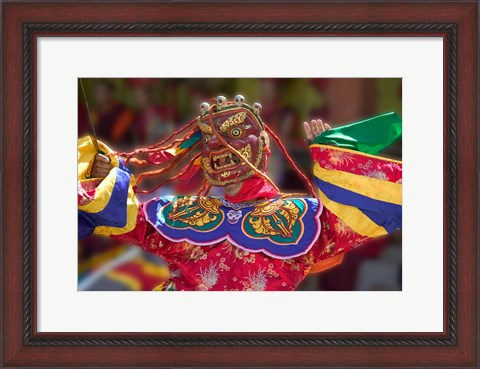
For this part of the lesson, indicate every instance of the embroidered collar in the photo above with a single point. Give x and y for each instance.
(281, 228)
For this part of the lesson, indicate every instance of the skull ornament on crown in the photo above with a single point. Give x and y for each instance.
(234, 216)
(240, 126)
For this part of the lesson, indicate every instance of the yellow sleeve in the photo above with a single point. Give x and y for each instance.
(106, 206)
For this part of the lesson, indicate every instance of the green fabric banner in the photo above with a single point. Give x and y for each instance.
(369, 136)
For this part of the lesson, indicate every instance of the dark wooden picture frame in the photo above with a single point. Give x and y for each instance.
(23, 22)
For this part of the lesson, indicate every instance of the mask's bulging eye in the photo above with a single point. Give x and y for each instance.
(206, 138)
(236, 132)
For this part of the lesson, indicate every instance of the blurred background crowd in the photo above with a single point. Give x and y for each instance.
(132, 112)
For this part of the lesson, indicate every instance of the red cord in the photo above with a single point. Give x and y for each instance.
(292, 163)
(181, 173)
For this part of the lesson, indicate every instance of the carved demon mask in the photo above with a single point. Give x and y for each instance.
(241, 127)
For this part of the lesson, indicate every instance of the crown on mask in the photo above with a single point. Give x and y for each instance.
(222, 105)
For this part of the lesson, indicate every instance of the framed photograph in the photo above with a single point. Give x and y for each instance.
(135, 114)
(155, 62)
